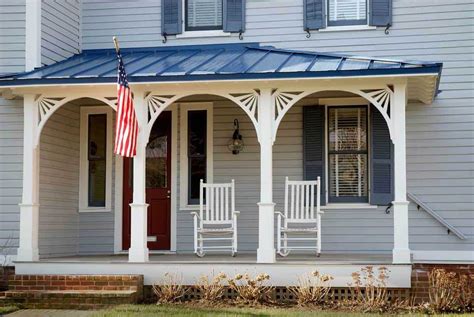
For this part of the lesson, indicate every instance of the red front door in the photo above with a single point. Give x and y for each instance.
(158, 187)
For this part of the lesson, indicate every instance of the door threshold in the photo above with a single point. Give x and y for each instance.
(152, 252)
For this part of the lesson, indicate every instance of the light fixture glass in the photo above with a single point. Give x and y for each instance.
(236, 144)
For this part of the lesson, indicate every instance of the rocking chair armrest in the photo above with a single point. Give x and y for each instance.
(195, 214)
(235, 213)
(279, 213)
(321, 212)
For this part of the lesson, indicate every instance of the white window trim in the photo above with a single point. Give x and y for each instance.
(84, 163)
(198, 34)
(183, 146)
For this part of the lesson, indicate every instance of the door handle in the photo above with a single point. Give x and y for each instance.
(168, 194)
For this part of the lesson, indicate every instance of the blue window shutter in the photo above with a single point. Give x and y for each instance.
(313, 146)
(380, 12)
(234, 15)
(314, 14)
(381, 167)
(171, 17)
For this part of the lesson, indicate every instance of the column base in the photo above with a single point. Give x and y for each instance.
(401, 256)
(266, 255)
(266, 233)
(27, 255)
(138, 251)
(138, 255)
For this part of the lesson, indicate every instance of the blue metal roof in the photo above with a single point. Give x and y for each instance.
(212, 62)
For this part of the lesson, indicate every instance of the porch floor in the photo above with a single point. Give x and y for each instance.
(241, 258)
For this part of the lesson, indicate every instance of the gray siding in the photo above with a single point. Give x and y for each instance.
(11, 165)
(12, 36)
(60, 30)
(59, 183)
(440, 137)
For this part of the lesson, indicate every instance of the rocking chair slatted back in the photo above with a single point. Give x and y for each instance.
(300, 204)
(217, 203)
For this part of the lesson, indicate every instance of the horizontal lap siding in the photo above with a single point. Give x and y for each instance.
(12, 36)
(60, 30)
(59, 183)
(11, 165)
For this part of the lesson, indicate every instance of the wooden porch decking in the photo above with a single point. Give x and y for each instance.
(241, 258)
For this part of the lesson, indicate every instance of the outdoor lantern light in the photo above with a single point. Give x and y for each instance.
(236, 144)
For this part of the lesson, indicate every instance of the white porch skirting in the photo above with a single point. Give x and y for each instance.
(282, 274)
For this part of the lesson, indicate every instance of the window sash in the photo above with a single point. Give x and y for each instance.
(203, 19)
(339, 161)
(196, 157)
(356, 11)
(97, 161)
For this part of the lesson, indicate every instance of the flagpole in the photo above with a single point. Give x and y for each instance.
(117, 48)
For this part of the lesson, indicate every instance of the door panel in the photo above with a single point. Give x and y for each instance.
(158, 187)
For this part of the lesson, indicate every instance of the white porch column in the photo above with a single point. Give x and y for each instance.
(138, 251)
(266, 207)
(401, 249)
(29, 207)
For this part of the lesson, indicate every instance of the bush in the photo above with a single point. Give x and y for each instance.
(449, 291)
(251, 290)
(312, 289)
(211, 290)
(368, 289)
(170, 289)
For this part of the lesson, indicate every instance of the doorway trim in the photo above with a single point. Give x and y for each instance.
(118, 188)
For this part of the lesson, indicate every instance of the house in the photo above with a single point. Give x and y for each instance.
(394, 77)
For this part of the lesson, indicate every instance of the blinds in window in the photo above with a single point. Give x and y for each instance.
(347, 153)
(204, 14)
(347, 10)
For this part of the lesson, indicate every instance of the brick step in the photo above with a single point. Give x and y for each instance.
(76, 282)
(70, 299)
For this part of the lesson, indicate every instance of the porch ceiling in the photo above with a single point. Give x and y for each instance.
(248, 61)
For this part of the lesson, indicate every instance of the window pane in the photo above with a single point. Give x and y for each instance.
(204, 14)
(347, 153)
(347, 10)
(97, 139)
(156, 163)
(348, 176)
(197, 139)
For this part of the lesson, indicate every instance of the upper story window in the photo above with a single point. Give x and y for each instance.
(203, 15)
(347, 12)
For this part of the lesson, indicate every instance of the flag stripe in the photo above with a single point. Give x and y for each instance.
(126, 130)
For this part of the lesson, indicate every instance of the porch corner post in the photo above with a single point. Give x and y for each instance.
(29, 206)
(401, 249)
(266, 206)
(138, 251)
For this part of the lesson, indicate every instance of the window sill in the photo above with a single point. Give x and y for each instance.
(189, 208)
(89, 210)
(348, 28)
(199, 34)
(348, 206)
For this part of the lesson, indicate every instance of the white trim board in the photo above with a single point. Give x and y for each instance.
(183, 157)
(84, 164)
(443, 256)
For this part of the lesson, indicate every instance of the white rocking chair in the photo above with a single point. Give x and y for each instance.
(217, 219)
(301, 216)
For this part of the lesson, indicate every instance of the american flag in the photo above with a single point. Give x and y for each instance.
(126, 129)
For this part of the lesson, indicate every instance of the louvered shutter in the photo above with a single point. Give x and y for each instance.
(313, 146)
(314, 14)
(171, 17)
(380, 13)
(381, 167)
(234, 15)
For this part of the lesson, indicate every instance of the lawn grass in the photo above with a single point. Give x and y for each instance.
(184, 310)
(7, 309)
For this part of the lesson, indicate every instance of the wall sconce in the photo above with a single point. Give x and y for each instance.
(236, 144)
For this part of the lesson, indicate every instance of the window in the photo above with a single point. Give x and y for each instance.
(347, 154)
(347, 12)
(196, 151)
(96, 159)
(203, 15)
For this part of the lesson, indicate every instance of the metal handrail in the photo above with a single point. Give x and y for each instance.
(434, 214)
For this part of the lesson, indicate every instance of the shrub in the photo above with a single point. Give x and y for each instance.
(368, 289)
(211, 290)
(251, 290)
(312, 288)
(449, 291)
(170, 289)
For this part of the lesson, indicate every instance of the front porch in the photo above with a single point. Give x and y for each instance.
(283, 272)
(268, 99)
